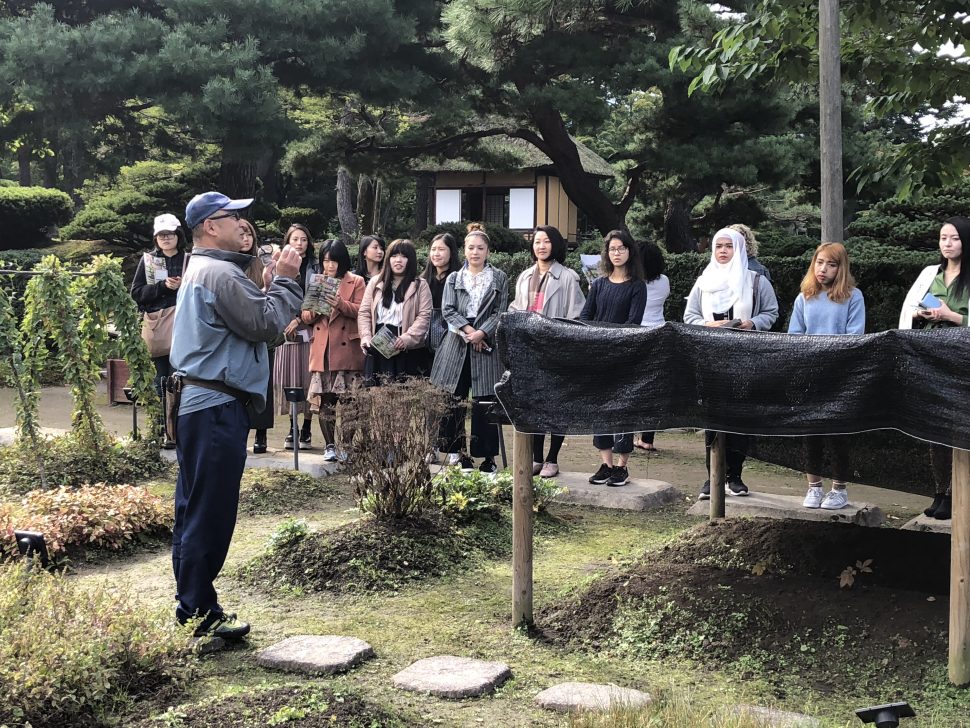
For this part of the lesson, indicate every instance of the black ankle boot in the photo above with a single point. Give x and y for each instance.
(944, 512)
(937, 500)
(259, 446)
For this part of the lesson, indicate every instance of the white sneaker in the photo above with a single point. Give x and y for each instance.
(330, 454)
(453, 458)
(835, 499)
(813, 498)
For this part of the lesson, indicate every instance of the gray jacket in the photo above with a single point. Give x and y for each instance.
(764, 304)
(223, 321)
(450, 355)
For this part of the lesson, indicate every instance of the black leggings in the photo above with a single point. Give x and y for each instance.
(555, 444)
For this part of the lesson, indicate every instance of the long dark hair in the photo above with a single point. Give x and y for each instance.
(653, 261)
(338, 252)
(454, 263)
(555, 237)
(398, 247)
(962, 224)
(289, 232)
(634, 266)
(364, 245)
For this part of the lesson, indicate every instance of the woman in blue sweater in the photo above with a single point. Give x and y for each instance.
(618, 296)
(828, 304)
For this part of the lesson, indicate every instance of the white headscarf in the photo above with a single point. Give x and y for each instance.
(723, 284)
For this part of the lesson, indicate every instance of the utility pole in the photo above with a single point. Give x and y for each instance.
(830, 118)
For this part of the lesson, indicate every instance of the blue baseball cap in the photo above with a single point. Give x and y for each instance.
(208, 204)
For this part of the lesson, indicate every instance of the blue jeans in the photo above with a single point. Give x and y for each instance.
(211, 452)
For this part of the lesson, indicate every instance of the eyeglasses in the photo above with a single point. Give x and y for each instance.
(234, 215)
(617, 250)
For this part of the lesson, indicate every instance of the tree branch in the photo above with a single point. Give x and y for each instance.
(633, 182)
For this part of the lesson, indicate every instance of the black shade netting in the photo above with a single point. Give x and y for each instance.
(572, 379)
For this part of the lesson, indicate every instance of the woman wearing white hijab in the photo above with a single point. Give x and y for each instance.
(728, 294)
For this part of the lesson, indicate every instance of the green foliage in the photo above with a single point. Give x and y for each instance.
(777, 244)
(95, 516)
(123, 212)
(28, 213)
(463, 495)
(289, 532)
(502, 240)
(913, 223)
(67, 462)
(391, 429)
(69, 654)
(315, 221)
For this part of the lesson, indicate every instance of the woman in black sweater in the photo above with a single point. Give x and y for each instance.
(618, 296)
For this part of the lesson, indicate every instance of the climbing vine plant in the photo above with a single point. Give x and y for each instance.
(68, 316)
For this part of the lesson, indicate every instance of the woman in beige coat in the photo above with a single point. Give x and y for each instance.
(550, 289)
(400, 302)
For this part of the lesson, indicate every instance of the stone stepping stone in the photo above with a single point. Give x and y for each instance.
(774, 718)
(576, 696)
(772, 505)
(926, 523)
(447, 676)
(318, 654)
(640, 494)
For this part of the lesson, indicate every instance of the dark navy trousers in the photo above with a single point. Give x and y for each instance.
(211, 452)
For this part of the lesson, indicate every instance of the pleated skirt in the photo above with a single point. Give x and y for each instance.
(290, 369)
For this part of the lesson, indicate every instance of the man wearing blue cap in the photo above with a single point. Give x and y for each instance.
(223, 322)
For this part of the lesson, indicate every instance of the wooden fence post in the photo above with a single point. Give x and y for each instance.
(522, 531)
(718, 475)
(960, 571)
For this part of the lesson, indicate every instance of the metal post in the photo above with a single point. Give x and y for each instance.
(296, 436)
(718, 475)
(522, 502)
(959, 662)
(830, 119)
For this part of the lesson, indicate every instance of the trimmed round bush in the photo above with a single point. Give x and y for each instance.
(303, 216)
(28, 213)
(501, 238)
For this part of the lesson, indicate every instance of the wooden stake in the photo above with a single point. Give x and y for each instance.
(522, 531)
(718, 475)
(830, 119)
(960, 571)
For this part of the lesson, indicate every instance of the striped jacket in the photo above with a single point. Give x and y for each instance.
(450, 355)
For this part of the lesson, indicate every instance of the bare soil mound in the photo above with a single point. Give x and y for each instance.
(766, 596)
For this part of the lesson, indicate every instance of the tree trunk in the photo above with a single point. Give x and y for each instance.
(366, 203)
(583, 189)
(23, 165)
(269, 172)
(423, 185)
(237, 175)
(345, 206)
(678, 237)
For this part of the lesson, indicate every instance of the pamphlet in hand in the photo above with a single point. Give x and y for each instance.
(930, 301)
(383, 342)
(155, 269)
(318, 288)
(591, 267)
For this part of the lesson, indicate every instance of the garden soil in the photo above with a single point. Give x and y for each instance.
(755, 592)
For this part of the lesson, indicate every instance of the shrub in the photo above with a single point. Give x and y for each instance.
(778, 244)
(392, 428)
(28, 213)
(307, 216)
(70, 654)
(91, 517)
(502, 240)
(464, 494)
(69, 464)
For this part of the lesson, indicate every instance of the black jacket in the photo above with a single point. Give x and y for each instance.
(156, 296)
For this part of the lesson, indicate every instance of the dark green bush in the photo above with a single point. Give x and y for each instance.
(779, 244)
(28, 213)
(8, 183)
(913, 224)
(501, 238)
(315, 221)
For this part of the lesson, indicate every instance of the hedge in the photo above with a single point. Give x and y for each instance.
(28, 213)
(502, 240)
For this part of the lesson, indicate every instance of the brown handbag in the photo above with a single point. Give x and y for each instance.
(156, 330)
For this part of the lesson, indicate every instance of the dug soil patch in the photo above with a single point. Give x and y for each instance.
(296, 707)
(371, 555)
(766, 595)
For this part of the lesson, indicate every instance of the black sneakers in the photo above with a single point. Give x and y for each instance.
(601, 476)
(705, 493)
(488, 466)
(225, 626)
(735, 486)
(619, 476)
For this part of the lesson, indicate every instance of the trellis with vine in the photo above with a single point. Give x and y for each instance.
(73, 311)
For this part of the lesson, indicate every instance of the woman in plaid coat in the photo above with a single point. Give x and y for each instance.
(466, 361)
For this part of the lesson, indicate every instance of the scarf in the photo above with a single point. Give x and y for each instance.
(722, 285)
